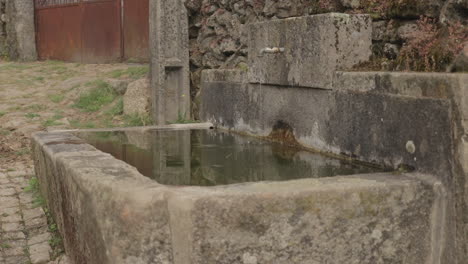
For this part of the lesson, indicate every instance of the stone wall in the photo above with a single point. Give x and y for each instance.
(17, 31)
(218, 29)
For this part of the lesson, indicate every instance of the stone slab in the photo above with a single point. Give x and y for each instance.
(314, 48)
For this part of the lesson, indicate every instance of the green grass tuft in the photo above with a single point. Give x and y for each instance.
(92, 101)
(117, 109)
(137, 120)
(31, 115)
(131, 72)
(56, 98)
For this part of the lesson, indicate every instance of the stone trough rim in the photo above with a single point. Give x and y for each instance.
(280, 188)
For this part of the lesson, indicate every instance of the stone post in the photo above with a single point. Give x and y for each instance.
(21, 37)
(170, 83)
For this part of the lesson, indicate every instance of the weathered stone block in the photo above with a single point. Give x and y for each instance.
(309, 49)
(334, 220)
(136, 99)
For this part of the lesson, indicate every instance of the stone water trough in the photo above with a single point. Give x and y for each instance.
(209, 194)
(108, 212)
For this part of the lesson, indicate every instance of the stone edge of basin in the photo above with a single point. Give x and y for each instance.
(62, 144)
(136, 198)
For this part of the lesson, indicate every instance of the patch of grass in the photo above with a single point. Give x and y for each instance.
(5, 245)
(5, 214)
(31, 115)
(53, 62)
(36, 107)
(33, 187)
(135, 73)
(53, 121)
(78, 124)
(55, 241)
(4, 132)
(137, 120)
(2, 113)
(16, 66)
(117, 109)
(92, 101)
(39, 79)
(23, 151)
(56, 98)
(14, 108)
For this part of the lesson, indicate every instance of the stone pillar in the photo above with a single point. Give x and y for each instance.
(170, 83)
(21, 34)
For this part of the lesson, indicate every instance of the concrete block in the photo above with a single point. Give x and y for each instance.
(314, 48)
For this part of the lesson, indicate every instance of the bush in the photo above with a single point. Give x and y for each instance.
(432, 47)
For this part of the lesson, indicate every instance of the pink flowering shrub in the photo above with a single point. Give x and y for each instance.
(432, 47)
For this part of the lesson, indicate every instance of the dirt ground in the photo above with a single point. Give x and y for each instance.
(49, 95)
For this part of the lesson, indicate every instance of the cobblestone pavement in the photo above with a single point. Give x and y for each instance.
(24, 236)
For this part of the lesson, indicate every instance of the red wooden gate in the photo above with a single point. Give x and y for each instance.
(136, 29)
(90, 31)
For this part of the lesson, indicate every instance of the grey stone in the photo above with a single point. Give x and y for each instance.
(16, 248)
(170, 73)
(33, 213)
(454, 11)
(407, 30)
(14, 218)
(314, 47)
(391, 51)
(36, 222)
(16, 260)
(14, 235)
(7, 192)
(136, 99)
(12, 227)
(119, 86)
(8, 201)
(38, 239)
(39, 253)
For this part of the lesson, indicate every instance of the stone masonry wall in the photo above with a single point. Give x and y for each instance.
(218, 28)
